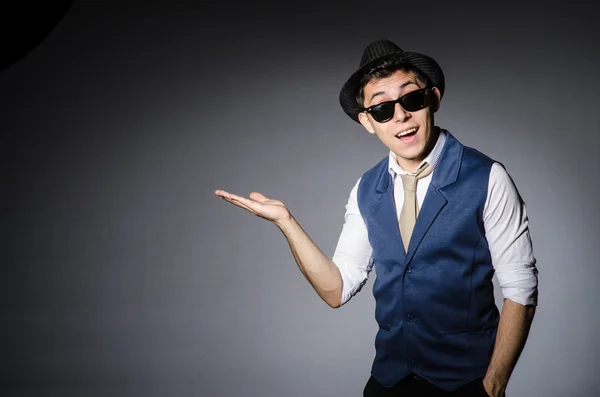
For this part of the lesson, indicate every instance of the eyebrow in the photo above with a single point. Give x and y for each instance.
(406, 83)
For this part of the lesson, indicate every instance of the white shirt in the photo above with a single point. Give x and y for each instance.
(506, 230)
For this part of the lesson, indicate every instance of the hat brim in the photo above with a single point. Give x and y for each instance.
(425, 64)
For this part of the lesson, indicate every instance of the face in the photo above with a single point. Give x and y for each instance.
(410, 135)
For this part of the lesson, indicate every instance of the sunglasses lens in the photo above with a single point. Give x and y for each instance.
(414, 101)
(383, 112)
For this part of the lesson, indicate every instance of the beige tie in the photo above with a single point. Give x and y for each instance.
(408, 214)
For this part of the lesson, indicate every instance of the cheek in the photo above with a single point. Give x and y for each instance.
(425, 118)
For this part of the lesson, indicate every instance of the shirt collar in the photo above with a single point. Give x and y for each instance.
(431, 158)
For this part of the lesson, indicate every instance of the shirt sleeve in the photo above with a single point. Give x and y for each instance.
(353, 251)
(507, 232)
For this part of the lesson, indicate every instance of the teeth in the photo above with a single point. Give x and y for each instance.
(406, 132)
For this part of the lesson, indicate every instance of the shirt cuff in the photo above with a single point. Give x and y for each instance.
(519, 283)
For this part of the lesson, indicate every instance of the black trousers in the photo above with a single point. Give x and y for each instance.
(415, 386)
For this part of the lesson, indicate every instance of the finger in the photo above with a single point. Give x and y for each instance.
(246, 201)
(240, 204)
(224, 194)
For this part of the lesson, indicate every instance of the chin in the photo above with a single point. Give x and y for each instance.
(415, 153)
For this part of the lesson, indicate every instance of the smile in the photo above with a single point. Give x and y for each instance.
(407, 132)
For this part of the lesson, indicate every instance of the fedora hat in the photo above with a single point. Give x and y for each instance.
(378, 52)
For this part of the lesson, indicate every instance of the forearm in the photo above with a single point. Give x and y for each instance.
(513, 329)
(320, 271)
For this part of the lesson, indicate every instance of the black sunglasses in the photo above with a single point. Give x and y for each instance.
(411, 102)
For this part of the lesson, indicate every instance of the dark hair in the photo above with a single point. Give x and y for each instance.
(385, 69)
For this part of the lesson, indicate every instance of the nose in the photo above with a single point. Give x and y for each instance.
(400, 114)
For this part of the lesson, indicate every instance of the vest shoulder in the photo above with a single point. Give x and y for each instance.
(371, 178)
(475, 156)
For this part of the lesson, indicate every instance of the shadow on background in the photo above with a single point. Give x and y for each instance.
(24, 25)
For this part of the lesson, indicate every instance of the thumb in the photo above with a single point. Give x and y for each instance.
(258, 197)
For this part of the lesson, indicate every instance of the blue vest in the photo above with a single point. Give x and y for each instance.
(435, 303)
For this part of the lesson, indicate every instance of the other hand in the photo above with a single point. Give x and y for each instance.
(493, 390)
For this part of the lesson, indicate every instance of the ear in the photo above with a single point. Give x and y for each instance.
(364, 120)
(436, 98)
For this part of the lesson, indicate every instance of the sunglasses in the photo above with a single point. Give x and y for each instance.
(411, 102)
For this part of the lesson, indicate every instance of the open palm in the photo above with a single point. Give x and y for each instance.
(259, 205)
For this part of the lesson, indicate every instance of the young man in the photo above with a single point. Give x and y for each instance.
(436, 219)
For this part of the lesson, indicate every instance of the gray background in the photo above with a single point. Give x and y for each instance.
(123, 275)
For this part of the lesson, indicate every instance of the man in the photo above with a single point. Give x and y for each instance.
(440, 333)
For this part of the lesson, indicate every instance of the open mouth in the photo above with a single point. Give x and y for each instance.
(406, 135)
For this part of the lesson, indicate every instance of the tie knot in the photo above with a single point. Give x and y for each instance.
(409, 182)
(424, 171)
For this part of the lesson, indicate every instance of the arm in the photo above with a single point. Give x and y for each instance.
(507, 232)
(319, 270)
(335, 280)
(513, 330)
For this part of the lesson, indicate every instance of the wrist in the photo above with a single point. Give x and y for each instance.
(286, 223)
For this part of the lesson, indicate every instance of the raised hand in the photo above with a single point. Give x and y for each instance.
(259, 205)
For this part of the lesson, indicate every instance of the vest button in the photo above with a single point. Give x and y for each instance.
(409, 317)
(408, 269)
